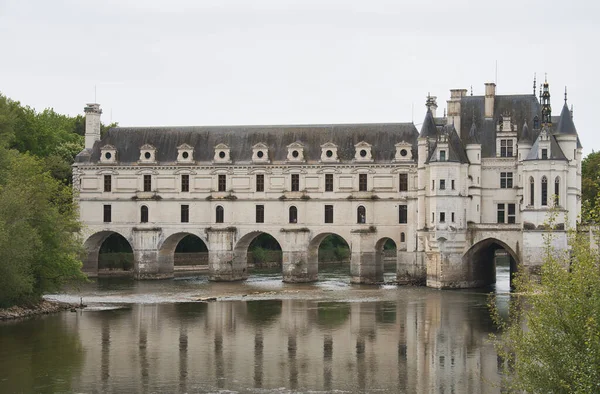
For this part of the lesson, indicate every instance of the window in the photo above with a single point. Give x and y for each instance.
(293, 214)
(531, 191)
(185, 183)
(453, 184)
(403, 183)
(402, 214)
(328, 182)
(507, 213)
(544, 191)
(260, 182)
(147, 183)
(442, 155)
(222, 183)
(501, 213)
(506, 148)
(295, 182)
(219, 214)
(433, 184)
(107, 213)
(544, 154)
(402, 237)
(432, 217)
(144, 214)
(557, 191)
(362, 182)
(361, 215)
(452, 217)
(107, 183)
(442, 184)
(185, 213)
(260, 214)
(442, 217)
(511, 213)
(506, 180)
(328, 213)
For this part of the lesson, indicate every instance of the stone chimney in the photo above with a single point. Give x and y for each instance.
(454, 107)
(490, 94)
(92, 124)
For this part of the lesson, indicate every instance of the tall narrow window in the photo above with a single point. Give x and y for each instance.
(219, 214)
(506, 148)
(402, 214)
(328, 182)
(531, 191)
(361, 215)
(328, 213)
(293, 215)
(506, 180)
(362, 182)
(144, 214)
(107, 183)
(453, 186)
(185, 213)
(403, 183)
(452, 217)
(260, 214)
(147, 183)
(442, 217)
(557, 191)
(544, 191)
(185, 183)
(544, 154)
(260, 182)
(512, 216)
(222, 183)
(295, 182)
(433, 184)
(402, 237)
(107, 214)
(501, 213)
(442, 184)
(442, 155)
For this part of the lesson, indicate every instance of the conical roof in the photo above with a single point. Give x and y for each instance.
(565, 124)
(473, 134)
(428, 129)
(525, 134)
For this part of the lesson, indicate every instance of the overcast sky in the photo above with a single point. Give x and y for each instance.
(226, 62)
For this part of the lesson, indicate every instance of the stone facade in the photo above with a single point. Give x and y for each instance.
(481, 178)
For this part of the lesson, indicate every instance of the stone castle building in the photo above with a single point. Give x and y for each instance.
(480, 178)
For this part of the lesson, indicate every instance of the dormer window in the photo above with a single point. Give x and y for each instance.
(260, 153)
(222, 154)
(185, 153)
(147, 154)
(403, 151)
(506, 147)
(442, 155)
(329, 152)
(295, 152)
(363, 152)
(544, 154)
(108, 154)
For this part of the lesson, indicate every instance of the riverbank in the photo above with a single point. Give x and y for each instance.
(43, 308)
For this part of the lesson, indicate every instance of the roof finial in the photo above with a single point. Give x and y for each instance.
(545, 77)
(471, 90)
(534, 83)
(565, 94)
(444, 112)
(571, 111)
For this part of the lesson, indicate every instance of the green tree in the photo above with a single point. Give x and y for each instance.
(590, 187)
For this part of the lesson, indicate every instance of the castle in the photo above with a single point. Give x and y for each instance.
(482, 177)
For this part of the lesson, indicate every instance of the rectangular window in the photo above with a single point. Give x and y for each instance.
(107, 213)
(185, 183)
(452, 217)
(295, 182)
(432, 217)
(328, 213)
(362, 182)
(442, 217)
(442, 155)
(452, 184)
(402, 214)
(260, 214)
(433, 184)
(260, 182)
(506, 148)
(185, 213)
(506, 180)
(147, 183)
(403, 183)
(107, 183)
(328, 182)
(512, 213)
(544, 154)
(222, 183)
(442, 184)
(501, 213)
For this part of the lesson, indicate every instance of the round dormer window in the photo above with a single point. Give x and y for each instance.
(295, 154)
(147, 155)
(107, 155)
(222, 155)
(403, 152)
(363, 153)
(329, 153)
(185, 155)
(260, 154)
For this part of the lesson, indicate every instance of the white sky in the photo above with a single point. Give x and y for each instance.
(214, 62)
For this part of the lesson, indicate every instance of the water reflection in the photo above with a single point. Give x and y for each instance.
(423, 341)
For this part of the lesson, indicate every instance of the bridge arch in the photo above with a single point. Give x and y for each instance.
(480, 261)
(315, 243)
(92, 246)
(240, 251)
(167, 248)
(380, 254)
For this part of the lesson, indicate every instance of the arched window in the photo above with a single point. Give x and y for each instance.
(402, 237)
(293, 214)
(531, 191)
(144, 214)
(220, 214)
(361, 215)
(557, 191)
(544, 191)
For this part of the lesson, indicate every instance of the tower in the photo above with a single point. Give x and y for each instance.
(546, 109)
(92, 124)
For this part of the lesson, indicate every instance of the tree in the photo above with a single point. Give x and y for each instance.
(551, 339)
(590, 187)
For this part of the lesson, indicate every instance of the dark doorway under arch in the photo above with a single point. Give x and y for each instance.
(333, 254)
(190, 250)
(491, 263)
(387, 252)
(115, 254)
(264, 252)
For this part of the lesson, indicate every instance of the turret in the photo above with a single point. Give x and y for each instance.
(473, 149)
(92, 124)
(524, 143)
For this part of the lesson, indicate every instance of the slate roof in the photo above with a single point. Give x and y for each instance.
(241, 139)
(565, 124)
(428, 129)
(456, 150)
(525, 135)
(555, 152)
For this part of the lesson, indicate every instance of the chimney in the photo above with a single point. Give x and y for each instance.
(454, 107)
(490, 94)
(432, 104)
(92, 124)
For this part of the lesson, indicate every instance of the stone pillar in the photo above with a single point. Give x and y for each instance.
(145, 255)
(410, 268)
(223, 265)
(364, 265)
(296, 264)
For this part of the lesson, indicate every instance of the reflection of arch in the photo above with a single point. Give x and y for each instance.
(166, 250)
(240, 251)
(263, 312)
(92, 247)
(481, 264)
(332, 314)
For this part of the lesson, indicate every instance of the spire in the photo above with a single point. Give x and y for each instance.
(571, 111)
(565, 94)
(428, 129)
(534, 83)
(473, 133)
(565, 124)
(471, 90)
(546, 108)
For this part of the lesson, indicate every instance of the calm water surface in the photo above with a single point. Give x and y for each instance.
(260, 336)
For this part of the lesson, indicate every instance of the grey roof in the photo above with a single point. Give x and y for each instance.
(428, 129)
(525, 134)
(565, 124)
(555, 152)
(473, 134)
(456, 150)
(240, 139)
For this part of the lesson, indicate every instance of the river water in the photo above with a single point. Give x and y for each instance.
(259, 336)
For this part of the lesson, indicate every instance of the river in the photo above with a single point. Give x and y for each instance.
(260, 336)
